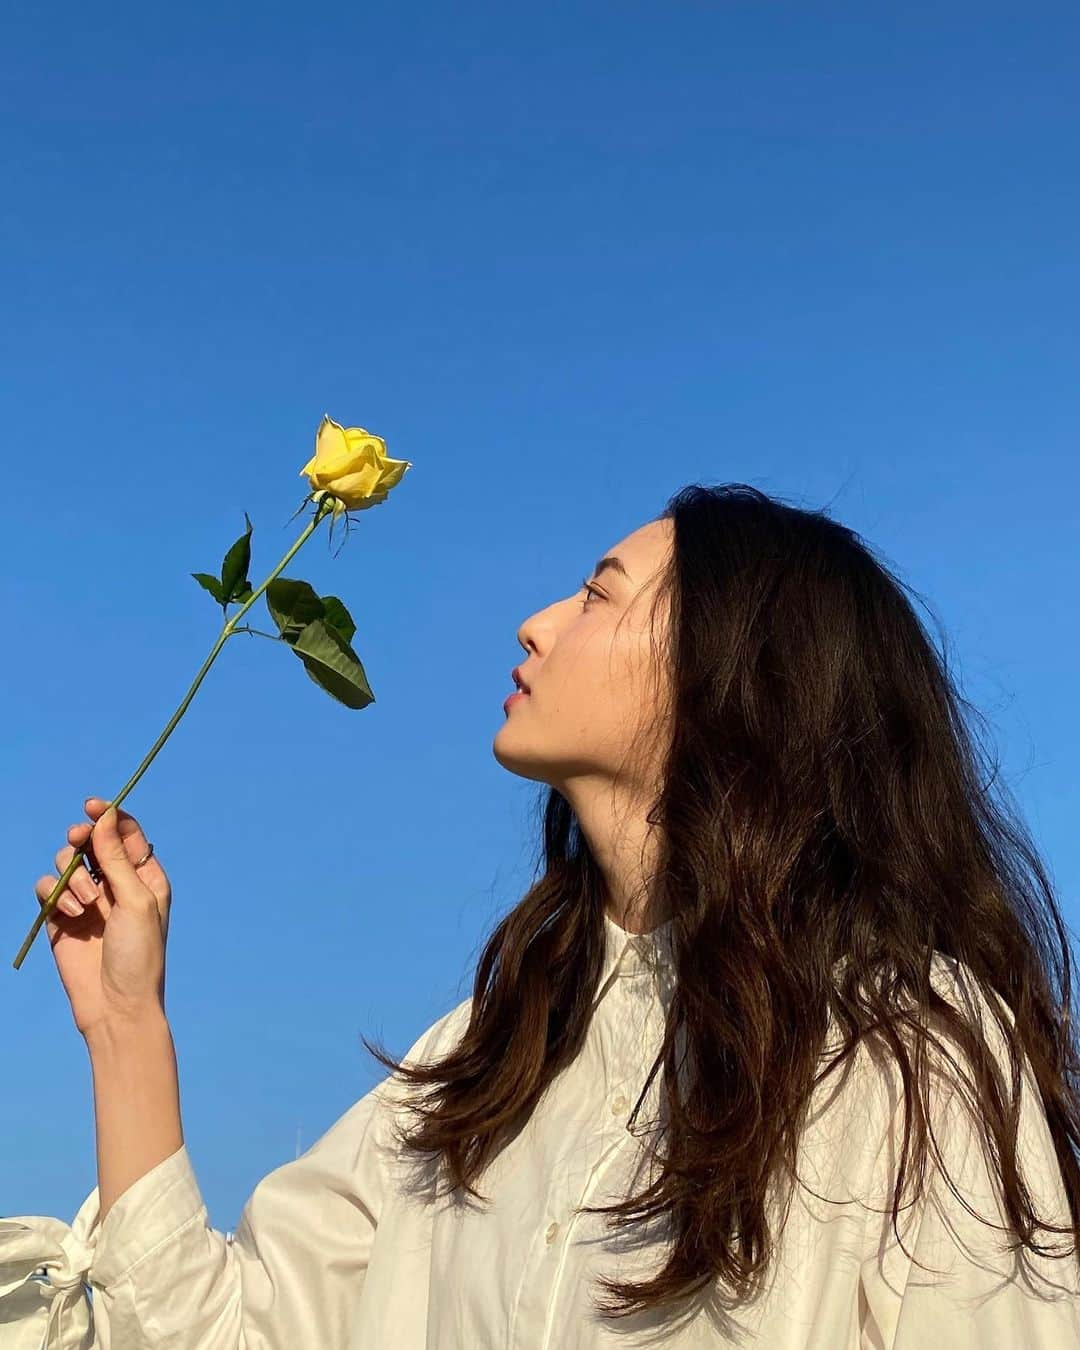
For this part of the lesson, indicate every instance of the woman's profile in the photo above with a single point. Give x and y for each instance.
(776, 1051)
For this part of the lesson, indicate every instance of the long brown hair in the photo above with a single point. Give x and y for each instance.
(828, 802)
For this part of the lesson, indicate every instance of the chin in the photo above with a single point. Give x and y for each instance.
(518, 761)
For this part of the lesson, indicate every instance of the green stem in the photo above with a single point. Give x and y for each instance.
(323, 508)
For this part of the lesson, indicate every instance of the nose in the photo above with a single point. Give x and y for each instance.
(537, 632)
(525, 633)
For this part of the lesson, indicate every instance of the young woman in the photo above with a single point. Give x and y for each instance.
(776, 1052)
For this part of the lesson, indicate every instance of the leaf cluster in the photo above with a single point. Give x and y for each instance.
(318, 629)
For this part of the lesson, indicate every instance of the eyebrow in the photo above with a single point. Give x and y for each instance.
(611, 563)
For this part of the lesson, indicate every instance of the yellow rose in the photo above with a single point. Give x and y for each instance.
(353, 465)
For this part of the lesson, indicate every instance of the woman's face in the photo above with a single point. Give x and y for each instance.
(589, 667)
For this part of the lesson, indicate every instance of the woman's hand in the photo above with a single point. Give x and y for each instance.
(108, 938)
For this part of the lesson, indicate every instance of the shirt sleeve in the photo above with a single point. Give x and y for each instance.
(292, 1275)
(964, 1288)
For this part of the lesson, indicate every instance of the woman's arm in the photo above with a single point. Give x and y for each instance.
(162, 1276)
(136, 1102)
(290, 1278)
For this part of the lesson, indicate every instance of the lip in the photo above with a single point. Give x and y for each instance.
(515, 675)
(513, 698)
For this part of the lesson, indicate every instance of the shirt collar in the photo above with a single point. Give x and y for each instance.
(631, 953)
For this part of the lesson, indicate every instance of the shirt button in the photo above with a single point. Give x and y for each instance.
(619, 1105)
(549, 1236)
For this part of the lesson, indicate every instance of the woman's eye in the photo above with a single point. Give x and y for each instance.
(590, 592)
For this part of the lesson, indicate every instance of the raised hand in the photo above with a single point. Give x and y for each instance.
(108, 938)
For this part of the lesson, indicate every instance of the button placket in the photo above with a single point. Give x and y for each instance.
(538, 1288)
(627, 1047)
(641, 1035)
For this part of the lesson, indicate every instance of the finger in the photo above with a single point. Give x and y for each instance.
(116, 863)
(67, 904)
(135, 842)
(79, 837)
(79, 833)
(79, 889)
(81, 884)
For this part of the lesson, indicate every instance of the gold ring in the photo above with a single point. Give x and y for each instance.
(146, 856)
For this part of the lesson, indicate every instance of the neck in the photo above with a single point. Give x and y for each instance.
(625, 847)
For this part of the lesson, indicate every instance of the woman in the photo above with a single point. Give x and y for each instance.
(792, 988)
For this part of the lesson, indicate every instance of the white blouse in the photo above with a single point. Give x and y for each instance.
(345, 1247)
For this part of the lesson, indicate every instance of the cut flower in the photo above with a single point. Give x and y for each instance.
(352, 465)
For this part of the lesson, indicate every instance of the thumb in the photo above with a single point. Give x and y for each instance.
(112, 859)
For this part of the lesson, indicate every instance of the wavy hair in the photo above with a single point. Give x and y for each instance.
(827, 803)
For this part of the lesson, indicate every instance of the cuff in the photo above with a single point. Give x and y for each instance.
(151, 1211)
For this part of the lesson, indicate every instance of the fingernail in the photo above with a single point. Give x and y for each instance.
(71, 907)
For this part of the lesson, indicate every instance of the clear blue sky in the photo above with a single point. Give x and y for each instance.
(565, 258)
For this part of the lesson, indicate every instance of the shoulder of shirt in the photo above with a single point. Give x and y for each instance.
(955, 982)
(874, 1062)
(433, 1043)
(438, 1038)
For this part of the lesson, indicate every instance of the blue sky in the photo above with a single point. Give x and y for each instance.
(565, 259)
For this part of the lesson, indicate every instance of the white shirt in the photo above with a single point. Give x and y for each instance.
(343, 1248)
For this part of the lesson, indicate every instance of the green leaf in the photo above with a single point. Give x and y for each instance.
(318, 630)
(338, 617)
(209, 583)
(234, 570)
(333, 664)
(292, 605)
(244, 594)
